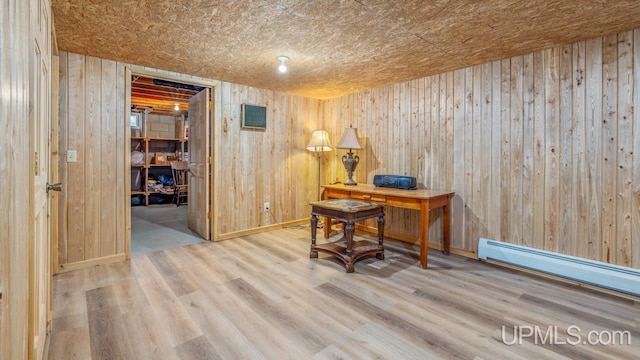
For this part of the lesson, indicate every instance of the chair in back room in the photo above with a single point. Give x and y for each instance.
(179, 170)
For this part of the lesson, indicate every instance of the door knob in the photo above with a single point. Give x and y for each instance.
(54, 187)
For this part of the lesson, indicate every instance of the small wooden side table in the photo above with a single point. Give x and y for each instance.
(347, 211)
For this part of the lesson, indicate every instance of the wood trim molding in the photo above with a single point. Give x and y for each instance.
(260, 229)
(90, 263)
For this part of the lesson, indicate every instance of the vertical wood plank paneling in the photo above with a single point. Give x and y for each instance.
(624, 196)
(566, 185)
(395, 125)
(427, 133)
(63, 136)
(449, 135)
(552, 142)
(495, 195)
(441, 176)
(539, 151)
(434, 132)
(528, 149)
(393, 156)
(75, 175)
(123, 146)
(484, 171)
(287, 156)
(516, 153)
(469, 216)
(505, 144)
(225, 195)
(240, 141)
(16, 43)
(236, 142)
(383, 119)
(593, 138)
(108, 161)
(92, 156)
(635, 208)
(374, 121)
(580, 201)
(477, 154)
(403, 134)
(415, 140)
(609, 151)
(458, 156)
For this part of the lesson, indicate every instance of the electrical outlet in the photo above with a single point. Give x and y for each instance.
(266, 207)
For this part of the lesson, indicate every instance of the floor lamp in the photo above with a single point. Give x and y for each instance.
(319, 144)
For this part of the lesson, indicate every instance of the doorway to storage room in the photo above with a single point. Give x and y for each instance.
(160, 188)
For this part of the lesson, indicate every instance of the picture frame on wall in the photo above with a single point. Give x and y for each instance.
(254, 117)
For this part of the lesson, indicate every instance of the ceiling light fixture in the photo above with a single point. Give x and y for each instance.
(283, 67)
(176, 107)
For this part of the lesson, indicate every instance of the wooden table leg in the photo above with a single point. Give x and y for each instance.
(424, 233)
(348, 233)
(314, 228)
(446, 228)
(380, 236)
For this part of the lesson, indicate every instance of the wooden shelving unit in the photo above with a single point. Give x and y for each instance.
(141, 173)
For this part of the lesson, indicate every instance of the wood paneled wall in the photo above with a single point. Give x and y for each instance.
(542, 150)
(92, 113)
(250, 167)
(253, 166)
(17, 46)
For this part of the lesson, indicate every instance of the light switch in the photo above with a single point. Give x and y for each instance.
(72, 156)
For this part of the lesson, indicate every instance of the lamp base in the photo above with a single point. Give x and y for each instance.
(350, 162)
(350, 182)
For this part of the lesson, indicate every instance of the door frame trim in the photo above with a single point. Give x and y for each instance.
(213, 86)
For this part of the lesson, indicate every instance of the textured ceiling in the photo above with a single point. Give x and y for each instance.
(335, 47)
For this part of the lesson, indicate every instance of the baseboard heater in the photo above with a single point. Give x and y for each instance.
(613, 277)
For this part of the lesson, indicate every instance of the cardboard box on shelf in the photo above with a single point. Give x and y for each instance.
(160, 158)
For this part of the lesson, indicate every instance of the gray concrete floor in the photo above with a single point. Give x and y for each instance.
(160, 227)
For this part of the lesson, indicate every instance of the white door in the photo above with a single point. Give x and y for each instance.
(199, 153)
(39, 125)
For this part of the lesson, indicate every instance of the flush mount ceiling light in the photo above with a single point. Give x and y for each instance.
(283, 67)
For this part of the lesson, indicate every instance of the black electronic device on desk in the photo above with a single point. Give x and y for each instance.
(395, 182)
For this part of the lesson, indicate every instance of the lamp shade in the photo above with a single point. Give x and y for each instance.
(349, 140)
(319, 141)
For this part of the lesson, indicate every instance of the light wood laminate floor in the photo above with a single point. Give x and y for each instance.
(261, 297)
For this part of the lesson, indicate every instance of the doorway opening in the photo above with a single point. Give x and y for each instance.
(160, 209)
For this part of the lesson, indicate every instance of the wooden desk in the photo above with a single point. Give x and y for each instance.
(422, 200)
(348, 212)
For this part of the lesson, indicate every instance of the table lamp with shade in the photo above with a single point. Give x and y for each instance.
(350, 141)
(318, 144)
